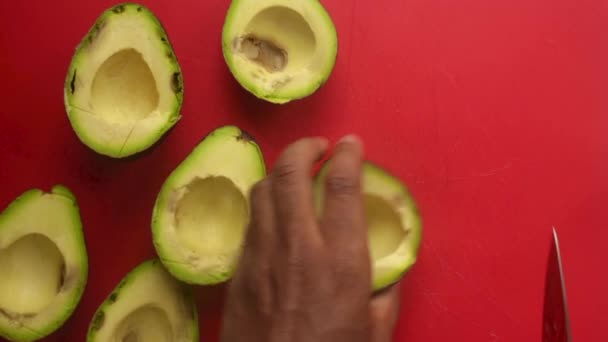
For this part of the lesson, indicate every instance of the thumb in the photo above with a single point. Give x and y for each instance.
(384, 312)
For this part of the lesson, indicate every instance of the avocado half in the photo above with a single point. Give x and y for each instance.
(124, 87)
(147, 305)
(393, 220)
(202, 210)
(279, 50)
(43, 263)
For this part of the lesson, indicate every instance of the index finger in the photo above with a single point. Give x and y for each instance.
(343, 209)
(291, 188)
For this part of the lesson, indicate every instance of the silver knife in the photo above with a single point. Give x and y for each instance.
(556, 320)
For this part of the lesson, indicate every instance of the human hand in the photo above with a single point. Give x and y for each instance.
(302, 278)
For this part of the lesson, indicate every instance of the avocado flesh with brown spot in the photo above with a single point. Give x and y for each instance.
(43, 263)
(279, 50)
(393, 221)
(123, 90)
(147, 305)
(202, 210)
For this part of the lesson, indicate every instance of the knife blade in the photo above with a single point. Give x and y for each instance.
(556, 320)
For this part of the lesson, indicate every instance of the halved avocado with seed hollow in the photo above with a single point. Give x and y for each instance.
(202, 210)
(394, 224)
(124, 87)
(43, 263)
(148, 305)
(279, 50)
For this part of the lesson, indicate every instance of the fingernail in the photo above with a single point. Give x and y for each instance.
(350, 139)
(324, 143)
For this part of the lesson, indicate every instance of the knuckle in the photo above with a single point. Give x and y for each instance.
(347, 274)
(285, 173)
(299, 256)
(296, 262)
(351, 266)
(341, 186)
(346, 270)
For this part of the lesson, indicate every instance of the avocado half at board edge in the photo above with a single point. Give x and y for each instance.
(279, 50)
(124, 87)
(147, 305)
(394, 223)
(43, 263)
(202, 210)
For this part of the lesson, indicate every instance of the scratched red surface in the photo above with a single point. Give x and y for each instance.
(494, 112)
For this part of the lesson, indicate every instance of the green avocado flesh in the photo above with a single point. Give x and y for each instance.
(43, 263)
(124, 88)
(202, 210)
(148, 305)
(279, 50)
(394, 224)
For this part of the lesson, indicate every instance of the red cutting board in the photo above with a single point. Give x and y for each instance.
(494, 113)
